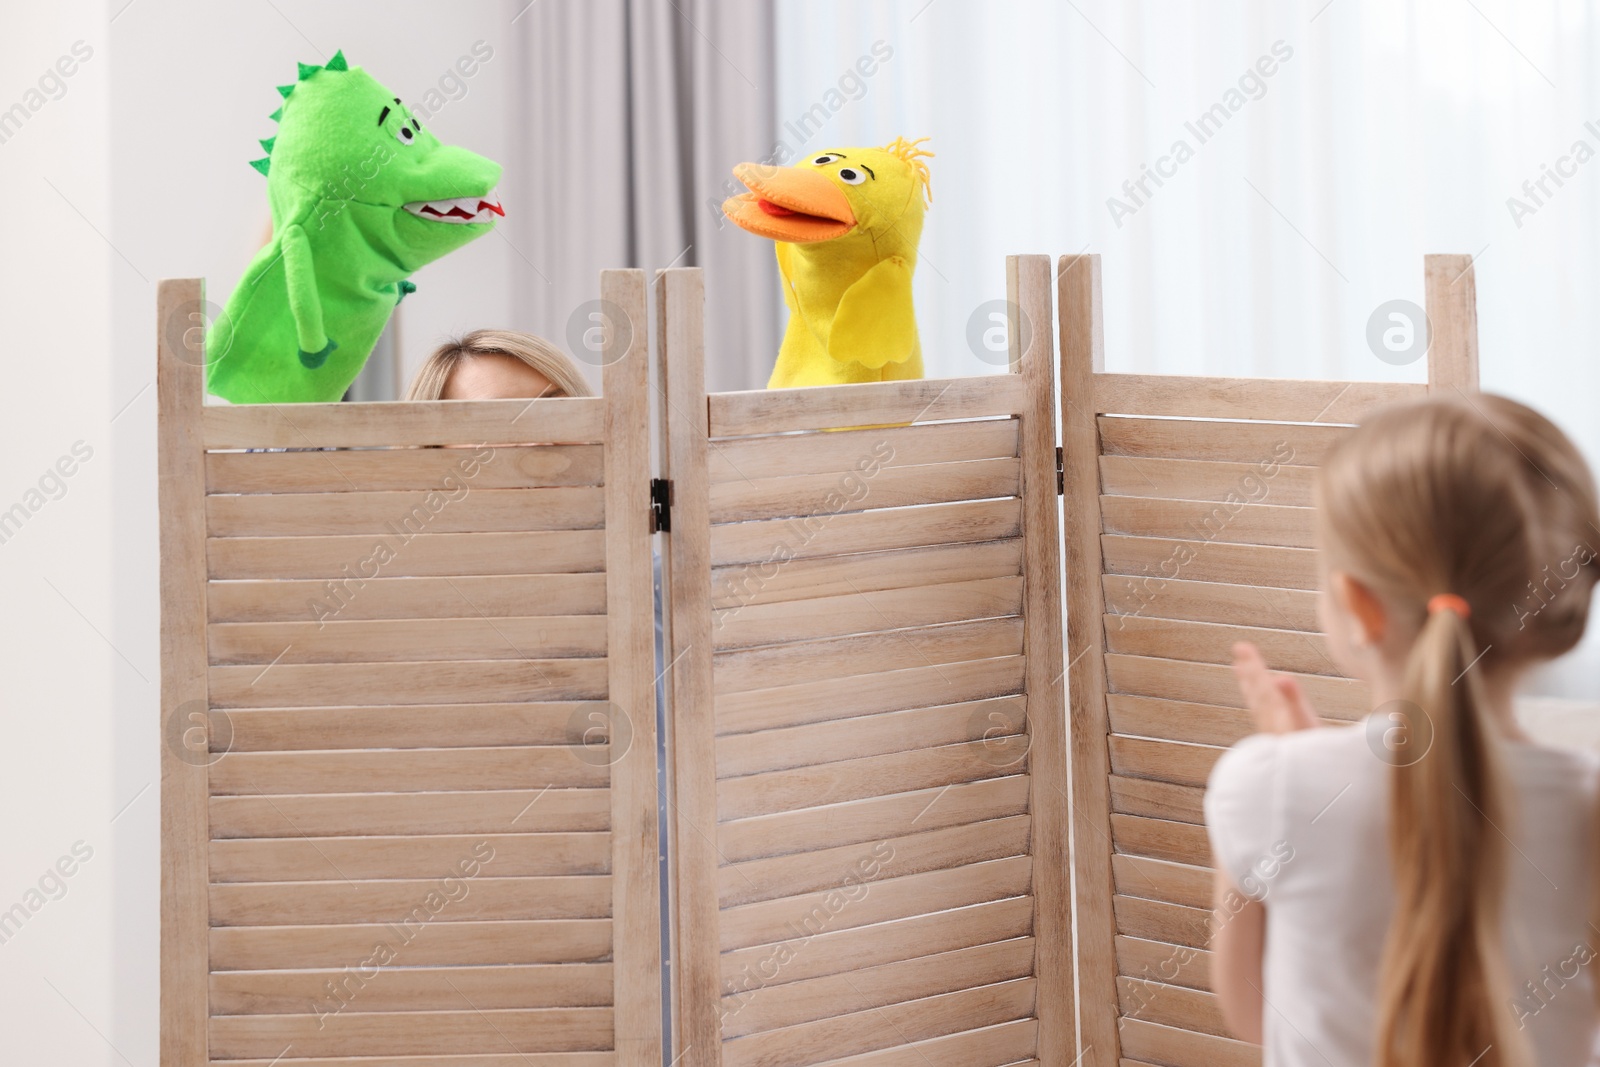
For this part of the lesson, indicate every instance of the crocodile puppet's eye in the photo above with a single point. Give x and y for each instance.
(403, 134)
(826, 158)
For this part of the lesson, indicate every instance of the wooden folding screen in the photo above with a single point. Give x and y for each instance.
(1188, 527)
(868, 729)
(409, 780)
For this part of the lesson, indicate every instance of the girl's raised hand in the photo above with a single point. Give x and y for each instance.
(1276, 700)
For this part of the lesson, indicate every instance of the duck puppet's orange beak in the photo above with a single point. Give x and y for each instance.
(793, 204)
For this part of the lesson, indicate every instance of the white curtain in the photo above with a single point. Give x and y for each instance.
(631, 112)
(1385, 130)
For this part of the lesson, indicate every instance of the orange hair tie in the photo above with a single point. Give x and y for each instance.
(1449, 602)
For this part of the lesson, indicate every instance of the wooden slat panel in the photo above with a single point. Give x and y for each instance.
(824, 998)
(1207, 536)
(1200, 724)
(454, 900)
(884, 1027)
(382, 814)
(425, 555)
(636, 848)
(1033, 359)
(307, 859)
(1211, 561)
(838, 698)
(389, 1034)
(561, 985)
(563, 420)
(1205, 642)
(870, 776)
(418, 726)
(1228, 442)
(752, 586)
(467, 509)
(1154, 920)
(1170, 1005)
(776, 456)
(254, 948)
(1231, 523)
(1284, 400)
(1175, 883)
(1082, 355)
(773, 666)
(1198, 479)
(335, 684)
(872, 819)
(686, 581)
(1175, 841)
(889, 487)
(180, 389)
(1181, 1048)
(872, 735)
(902, 939)
(846, 907)
(335, 624)
(1175, 762)
(1009, 1043)
(1334, 698)
(389, 470)
(1451, 285)
(407, 598)
(806, 795)
(384, 640)
(776, 540)
(1170, 964)
(1238, 605)
(413, 770)
(1157, 800)
(802, 872)
(861, 612)
(839, 406)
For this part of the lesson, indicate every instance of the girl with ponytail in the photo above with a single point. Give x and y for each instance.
(1420, 887)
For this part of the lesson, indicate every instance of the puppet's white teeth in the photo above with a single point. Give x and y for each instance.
(461, 210)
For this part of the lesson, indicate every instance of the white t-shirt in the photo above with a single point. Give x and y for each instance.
(1300, 820)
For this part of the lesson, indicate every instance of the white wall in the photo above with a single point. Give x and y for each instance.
(57, 785)
(1393, 130)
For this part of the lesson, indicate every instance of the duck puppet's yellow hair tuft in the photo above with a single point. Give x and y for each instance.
(913, 157)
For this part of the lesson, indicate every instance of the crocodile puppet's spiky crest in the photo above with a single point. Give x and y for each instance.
(337, 63)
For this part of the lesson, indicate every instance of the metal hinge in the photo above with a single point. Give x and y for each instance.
(1061, 474)
(660, 505)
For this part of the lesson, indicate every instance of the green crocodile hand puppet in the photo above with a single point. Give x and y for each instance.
(362, 196)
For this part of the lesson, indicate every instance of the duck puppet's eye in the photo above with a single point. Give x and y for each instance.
(851, 176)
(826, 158)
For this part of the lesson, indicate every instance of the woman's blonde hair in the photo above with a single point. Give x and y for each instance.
(1485, 499)
(536, 352)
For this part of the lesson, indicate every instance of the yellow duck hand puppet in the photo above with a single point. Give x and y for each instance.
(847, 223)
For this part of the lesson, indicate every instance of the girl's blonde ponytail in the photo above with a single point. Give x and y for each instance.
(1442, 995)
